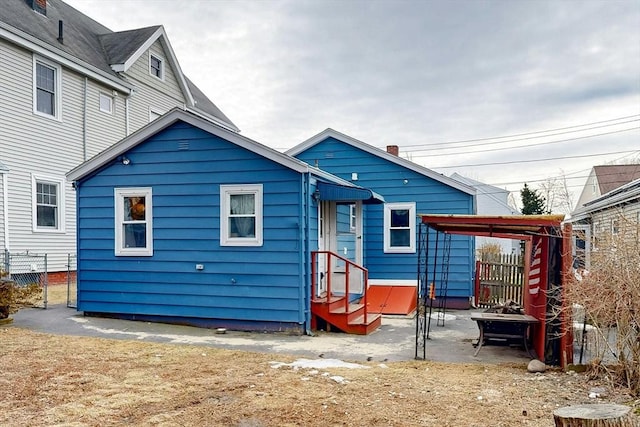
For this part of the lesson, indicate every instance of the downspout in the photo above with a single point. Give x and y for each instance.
(305, 254)
(84, 119)
(126, 115)
(5, 208)
(76, 187)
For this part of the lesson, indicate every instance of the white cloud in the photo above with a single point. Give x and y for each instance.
(411, 72)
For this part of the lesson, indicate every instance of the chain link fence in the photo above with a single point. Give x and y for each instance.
(27, 269)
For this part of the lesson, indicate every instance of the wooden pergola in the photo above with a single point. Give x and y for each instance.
(547, 261)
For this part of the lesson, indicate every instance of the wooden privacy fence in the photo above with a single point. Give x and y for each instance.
(499, 279)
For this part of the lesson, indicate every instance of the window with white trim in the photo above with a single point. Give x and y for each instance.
(48, 203)
(615, 226)
(400, 227)
(156, 66)
(352, 217)
(106, 103)
(46, 88)
(241, 215)
(133, 222)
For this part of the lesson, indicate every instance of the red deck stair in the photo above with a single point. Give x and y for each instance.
(342, 311)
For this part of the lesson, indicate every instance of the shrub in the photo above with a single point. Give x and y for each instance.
(610, 295)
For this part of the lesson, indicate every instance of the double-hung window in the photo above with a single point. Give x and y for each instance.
(156, 66)
(48, 203)
(46, 89)
(400, 228)
(241, 215)
(133, 222)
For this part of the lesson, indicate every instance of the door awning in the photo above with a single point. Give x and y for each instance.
(343, 193)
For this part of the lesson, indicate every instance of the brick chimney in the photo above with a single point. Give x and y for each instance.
(393, 149)
(39, 6)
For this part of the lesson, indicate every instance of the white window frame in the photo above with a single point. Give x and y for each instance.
(57, 104)
(615, 226)
(105, 96)
(352, 217)
(119, 195)
(60, 219)
(388, 207)
(226, 191)
(161, 59)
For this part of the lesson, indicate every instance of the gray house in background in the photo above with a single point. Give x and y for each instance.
(491, 200)
(612, 214)
(606, 178)
(71, 87)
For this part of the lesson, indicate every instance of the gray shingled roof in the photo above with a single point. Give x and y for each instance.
(80, 33)
(204, 103)
(611, 177)
(121, 45)
(88, 40)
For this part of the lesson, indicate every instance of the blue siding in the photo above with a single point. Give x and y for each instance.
(261, 284)
(388, 179)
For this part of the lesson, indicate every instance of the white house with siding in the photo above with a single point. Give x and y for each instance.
(613, 215)
(491, 200)
(71, 88)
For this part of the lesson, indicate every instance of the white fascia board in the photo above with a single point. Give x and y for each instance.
(172, 60)
(199, 112)
(382, 154)
(45, 50)
(167, 120)
(604, 204)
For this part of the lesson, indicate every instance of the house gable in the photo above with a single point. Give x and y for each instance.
(147, 42)
(169, 119)
(345, 139)
(604, 179)
(189, 274)
(89, 48)
(398, 184)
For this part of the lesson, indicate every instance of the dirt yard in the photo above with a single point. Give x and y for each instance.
(76, 381)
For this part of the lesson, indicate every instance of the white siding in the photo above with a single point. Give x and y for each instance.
(161, 95)
(104, 129)
(3, 243)
(590, 191)
(33, 144)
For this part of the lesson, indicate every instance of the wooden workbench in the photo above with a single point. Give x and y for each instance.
(504, 326)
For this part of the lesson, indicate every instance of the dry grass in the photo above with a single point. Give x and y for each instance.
(57, 294)
(74, 381)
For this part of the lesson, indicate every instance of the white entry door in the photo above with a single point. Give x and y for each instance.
(321, 279)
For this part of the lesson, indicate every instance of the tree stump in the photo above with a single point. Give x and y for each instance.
(595, 415)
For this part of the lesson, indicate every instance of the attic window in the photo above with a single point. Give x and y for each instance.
(156, 66)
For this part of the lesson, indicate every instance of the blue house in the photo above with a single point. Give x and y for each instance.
(389, 235)
(187, 222)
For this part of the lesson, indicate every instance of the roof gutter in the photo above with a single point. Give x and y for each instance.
(36, 45)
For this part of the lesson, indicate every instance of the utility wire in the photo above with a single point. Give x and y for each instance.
(637, 117)
(533, 160)
(521, 146)
(568, 175)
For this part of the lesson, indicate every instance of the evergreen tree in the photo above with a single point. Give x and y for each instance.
(532, 202)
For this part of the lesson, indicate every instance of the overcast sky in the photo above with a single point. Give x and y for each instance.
(418, 74)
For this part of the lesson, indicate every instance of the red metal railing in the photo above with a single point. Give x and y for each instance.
(328, 275)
